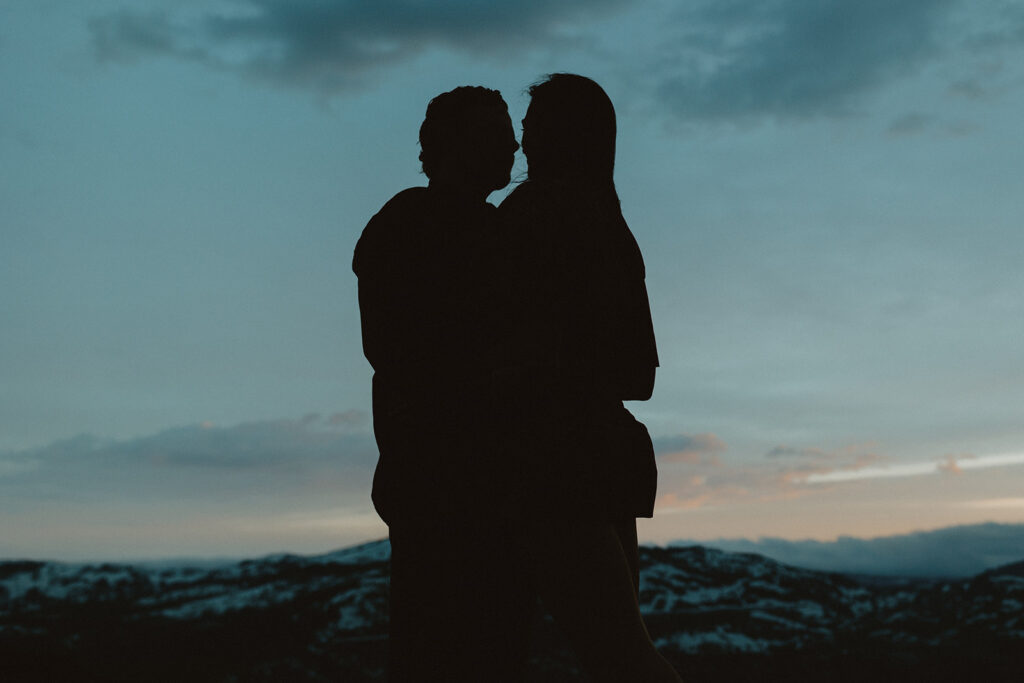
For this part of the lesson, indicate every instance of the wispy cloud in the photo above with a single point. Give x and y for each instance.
(994, 504)
(693, 473)
(254, 487)
(688, 448)
(349, 418)
(792, 58)
(706, 60)
(13, 466)
(334, 46)
(201, 460)
(950, 464)
(910, 124)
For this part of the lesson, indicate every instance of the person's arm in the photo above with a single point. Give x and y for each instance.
(623, 353)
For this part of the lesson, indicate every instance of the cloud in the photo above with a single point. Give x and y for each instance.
(256, 487)
(271, 444)
(951, 464)
(994, 504)
(791, 451)
(349, 419)
(9, 468)
(686, 448)
(335, 46)
(1001, 26)
(707, 60)
(127, 36)
(817, 461)
(201, 460)
(696, 476)
(949, 552)
(734, 59)
(910, 124)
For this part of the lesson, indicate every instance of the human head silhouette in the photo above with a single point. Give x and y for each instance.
(569, 131)
(467, 141)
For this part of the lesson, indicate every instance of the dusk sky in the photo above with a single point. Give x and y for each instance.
(828, 195)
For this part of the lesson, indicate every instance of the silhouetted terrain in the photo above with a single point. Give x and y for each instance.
(719, 616)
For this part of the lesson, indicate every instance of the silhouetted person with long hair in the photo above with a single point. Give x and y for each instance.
(576, 298)
(425, 263)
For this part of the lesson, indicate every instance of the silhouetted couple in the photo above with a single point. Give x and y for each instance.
(504, 341)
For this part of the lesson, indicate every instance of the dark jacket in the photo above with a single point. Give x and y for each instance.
(429, 324)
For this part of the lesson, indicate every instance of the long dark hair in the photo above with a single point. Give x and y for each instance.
(569, 132)
(569, 140)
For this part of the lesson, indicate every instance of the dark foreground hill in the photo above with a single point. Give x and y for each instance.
(718, 616)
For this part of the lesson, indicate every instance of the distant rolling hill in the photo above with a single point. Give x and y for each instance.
(718, 616)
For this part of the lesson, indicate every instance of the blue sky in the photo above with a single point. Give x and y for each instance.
(827, 195)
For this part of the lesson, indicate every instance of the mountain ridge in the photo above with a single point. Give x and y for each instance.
(304, 618)
(948, 552)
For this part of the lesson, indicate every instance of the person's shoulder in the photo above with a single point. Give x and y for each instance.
(526, 194)
(405, 202)
(527, 207)
(384, 230)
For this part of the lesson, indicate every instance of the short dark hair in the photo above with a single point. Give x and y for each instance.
(448, 116)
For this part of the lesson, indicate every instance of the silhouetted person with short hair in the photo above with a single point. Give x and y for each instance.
(576, 297)
(460, 608)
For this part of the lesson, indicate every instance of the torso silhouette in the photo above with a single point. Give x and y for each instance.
(502, 352)
(429, 323)
(577, 298)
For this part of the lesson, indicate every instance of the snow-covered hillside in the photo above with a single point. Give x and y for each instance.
(299, 618)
